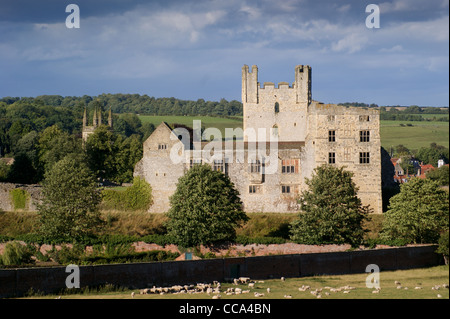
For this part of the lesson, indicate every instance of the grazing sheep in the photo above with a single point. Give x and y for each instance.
(445, 286)
(397, 283)
(244, 280)
(257, 294)
(216, 297)
(132, 294)
(235, 281)
(376, 292)
(209, 290)
(319, 296)
(399, 287)
(268, 290)
(288, 296)
(251, 285)
(245, 291)
(417, 288)
(346, 291)
(439, 296)
(283, 279)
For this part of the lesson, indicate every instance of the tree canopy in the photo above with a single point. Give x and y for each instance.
(205, 208)
(330, 210)
(418, 213)
(69, 208)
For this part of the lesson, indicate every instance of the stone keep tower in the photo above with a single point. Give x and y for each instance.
(282, 109)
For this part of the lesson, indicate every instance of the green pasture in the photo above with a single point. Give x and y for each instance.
(414, 284)
(419, 134)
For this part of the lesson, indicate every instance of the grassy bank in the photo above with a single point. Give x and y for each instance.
(142, 224)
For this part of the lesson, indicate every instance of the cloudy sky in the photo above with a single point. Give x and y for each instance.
(191, 49)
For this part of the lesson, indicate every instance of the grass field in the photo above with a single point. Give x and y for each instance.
(420, 134)
(424, 278)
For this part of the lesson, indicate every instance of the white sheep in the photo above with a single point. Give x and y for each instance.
(288, 296)
(283, 279)
(268, 290)
(257, 294)
(251, 285)
(216, 297)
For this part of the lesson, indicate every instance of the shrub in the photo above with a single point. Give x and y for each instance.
(17, 254)
(19, 198)
(136, 197)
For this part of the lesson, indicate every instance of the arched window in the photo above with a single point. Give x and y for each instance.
(277, 107)
(275, 130)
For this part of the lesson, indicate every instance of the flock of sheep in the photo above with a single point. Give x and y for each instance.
(214, 290)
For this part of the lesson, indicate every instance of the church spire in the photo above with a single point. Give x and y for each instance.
(85, 123)
(110, 119)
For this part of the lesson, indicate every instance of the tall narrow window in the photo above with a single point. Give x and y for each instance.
(285, 189)
(364, 158)
(364, 136)
(287, 167)
(254, 189)
(332, 136)
(331, 158)
(218, 166)
(277, 107)
(255, 166)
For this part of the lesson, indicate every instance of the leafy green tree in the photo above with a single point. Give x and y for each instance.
(54, 145)
(100, 150)
(205, 208)
(22, 170)
(418, 213)
(431, 155)
(440, 175)
(331, 211)
(69, 209)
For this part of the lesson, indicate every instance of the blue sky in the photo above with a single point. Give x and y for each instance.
(191, 49)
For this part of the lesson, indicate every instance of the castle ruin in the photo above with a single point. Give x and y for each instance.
(306, 134)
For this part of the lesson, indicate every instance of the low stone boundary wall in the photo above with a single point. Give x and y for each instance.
(16, 282)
